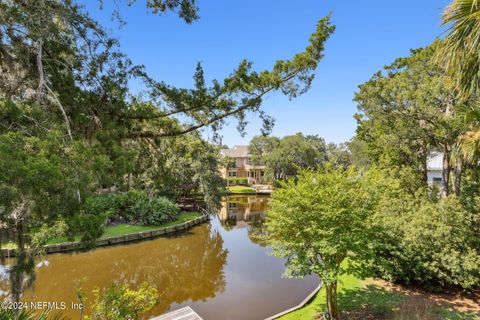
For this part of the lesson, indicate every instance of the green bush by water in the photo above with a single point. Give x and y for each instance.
(237, 181)
(133, 207)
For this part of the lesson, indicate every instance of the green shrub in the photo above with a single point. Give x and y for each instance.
(277, 183)
(132, 204)
(237, 181)
(427, 242)
(120, 302)
(89, 227)
(154, 211)
(131, 207)
(105, 204)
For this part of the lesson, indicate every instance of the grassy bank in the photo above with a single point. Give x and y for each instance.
(240, 189)
(377, 299)
(312, 309)
(122, 229)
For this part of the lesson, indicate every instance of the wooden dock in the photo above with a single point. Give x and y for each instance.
(185, 313)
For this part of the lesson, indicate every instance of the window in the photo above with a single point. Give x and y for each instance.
(232, 173)
(437, 179)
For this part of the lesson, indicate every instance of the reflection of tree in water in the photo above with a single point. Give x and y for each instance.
(191, 270)
(229, 224)
(237, 211)
(20, 274)
(257, 231)
(4, 281)
(187, 267)
(245, 211)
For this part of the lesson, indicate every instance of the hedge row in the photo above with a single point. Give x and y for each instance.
(237, 181)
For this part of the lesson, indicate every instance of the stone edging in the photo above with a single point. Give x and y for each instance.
(70, 246)
(298, 306)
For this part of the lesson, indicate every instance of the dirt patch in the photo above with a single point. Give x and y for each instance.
(420, 304)
(365, 314)
(377, 299)
(452, 299)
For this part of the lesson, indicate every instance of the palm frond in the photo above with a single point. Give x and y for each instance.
(461, 49)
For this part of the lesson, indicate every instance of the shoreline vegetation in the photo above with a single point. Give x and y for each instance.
(381, 300)
(85, 154)
(119, 230)
(240, 190)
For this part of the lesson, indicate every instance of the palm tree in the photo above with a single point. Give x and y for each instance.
(461, 50)
(461, 54)
(469, 141)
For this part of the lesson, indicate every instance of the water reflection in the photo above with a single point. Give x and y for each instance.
(245, 212)
(220, 269)
(241, 211)
(187, 267)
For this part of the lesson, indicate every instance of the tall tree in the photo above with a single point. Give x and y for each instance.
(284, 157)
(408, 111)
(460, 54)
(66, 109)
(54, 53)
(339, 154)
(316, 227)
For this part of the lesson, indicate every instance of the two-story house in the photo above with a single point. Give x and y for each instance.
(241, 166)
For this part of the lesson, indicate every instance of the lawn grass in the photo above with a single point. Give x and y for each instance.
(122, 229)
(359, 299)
(9, 245)
(241, 189)
(317, 305)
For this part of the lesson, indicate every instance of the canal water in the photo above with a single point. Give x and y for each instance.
(221, 269)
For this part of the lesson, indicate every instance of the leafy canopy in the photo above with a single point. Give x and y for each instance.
(319, 219)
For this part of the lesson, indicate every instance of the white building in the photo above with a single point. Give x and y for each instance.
(434, 168)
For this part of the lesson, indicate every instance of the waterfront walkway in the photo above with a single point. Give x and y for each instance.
(185, 313)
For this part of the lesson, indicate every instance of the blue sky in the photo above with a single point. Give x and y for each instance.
(369, 35)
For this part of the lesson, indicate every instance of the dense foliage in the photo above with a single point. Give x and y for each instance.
(460, 49)
(408, 111)
(120, 302)
(319, 220)
(408, 229)
(237, 181)
(70, 125)
(283, 157)
(332, 215)
(421, 241)
(133, 207)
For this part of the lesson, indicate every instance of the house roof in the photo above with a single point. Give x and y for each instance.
(435, 161)
(235, 152)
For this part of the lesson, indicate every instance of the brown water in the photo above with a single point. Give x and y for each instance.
(217, 268)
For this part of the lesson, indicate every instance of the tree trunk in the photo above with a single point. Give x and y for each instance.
(41, 77)
(424, 166)
(24, 264)
(458, 177)
(446, 171)
(226, 174)
(331, 293)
